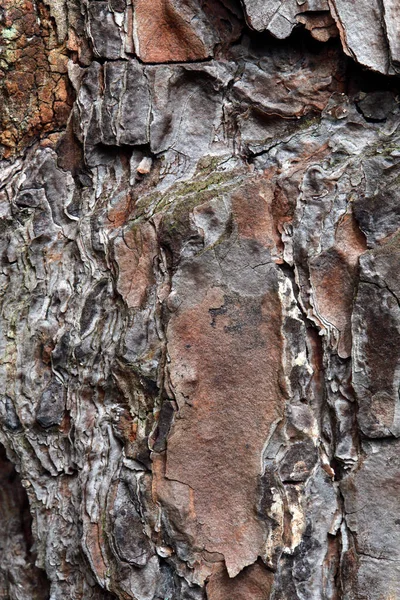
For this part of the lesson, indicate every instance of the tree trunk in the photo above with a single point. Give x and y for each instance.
(200, 291)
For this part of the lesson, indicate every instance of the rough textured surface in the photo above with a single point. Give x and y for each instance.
(199, 287)
(185, 31)
(280, 17)
(35, 96)
(368, 28)
(19, 578)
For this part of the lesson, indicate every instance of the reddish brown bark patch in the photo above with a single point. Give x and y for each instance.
(34, 93)
(171, 31)
(164, 35)
(224, 345)
(135, 252)
(259, 215)
(225, 359)
(253, 583)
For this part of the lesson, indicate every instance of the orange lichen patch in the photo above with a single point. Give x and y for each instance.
(333, 275)
(57, 61)
(225, 363)
(34, 94)
(255, 582)
(164, 35)
(134, 255)
(51, 140)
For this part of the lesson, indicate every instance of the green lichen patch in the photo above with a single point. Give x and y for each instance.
(208, 182)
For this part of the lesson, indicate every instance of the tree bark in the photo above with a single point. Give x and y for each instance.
(200, 323)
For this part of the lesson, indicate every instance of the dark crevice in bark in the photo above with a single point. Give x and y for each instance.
(17, 553)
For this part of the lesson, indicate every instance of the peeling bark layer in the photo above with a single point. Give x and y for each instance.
(200, 324)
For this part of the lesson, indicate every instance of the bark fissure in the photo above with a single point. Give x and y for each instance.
(199, 301)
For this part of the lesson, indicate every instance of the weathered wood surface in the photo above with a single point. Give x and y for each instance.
(200, 324)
